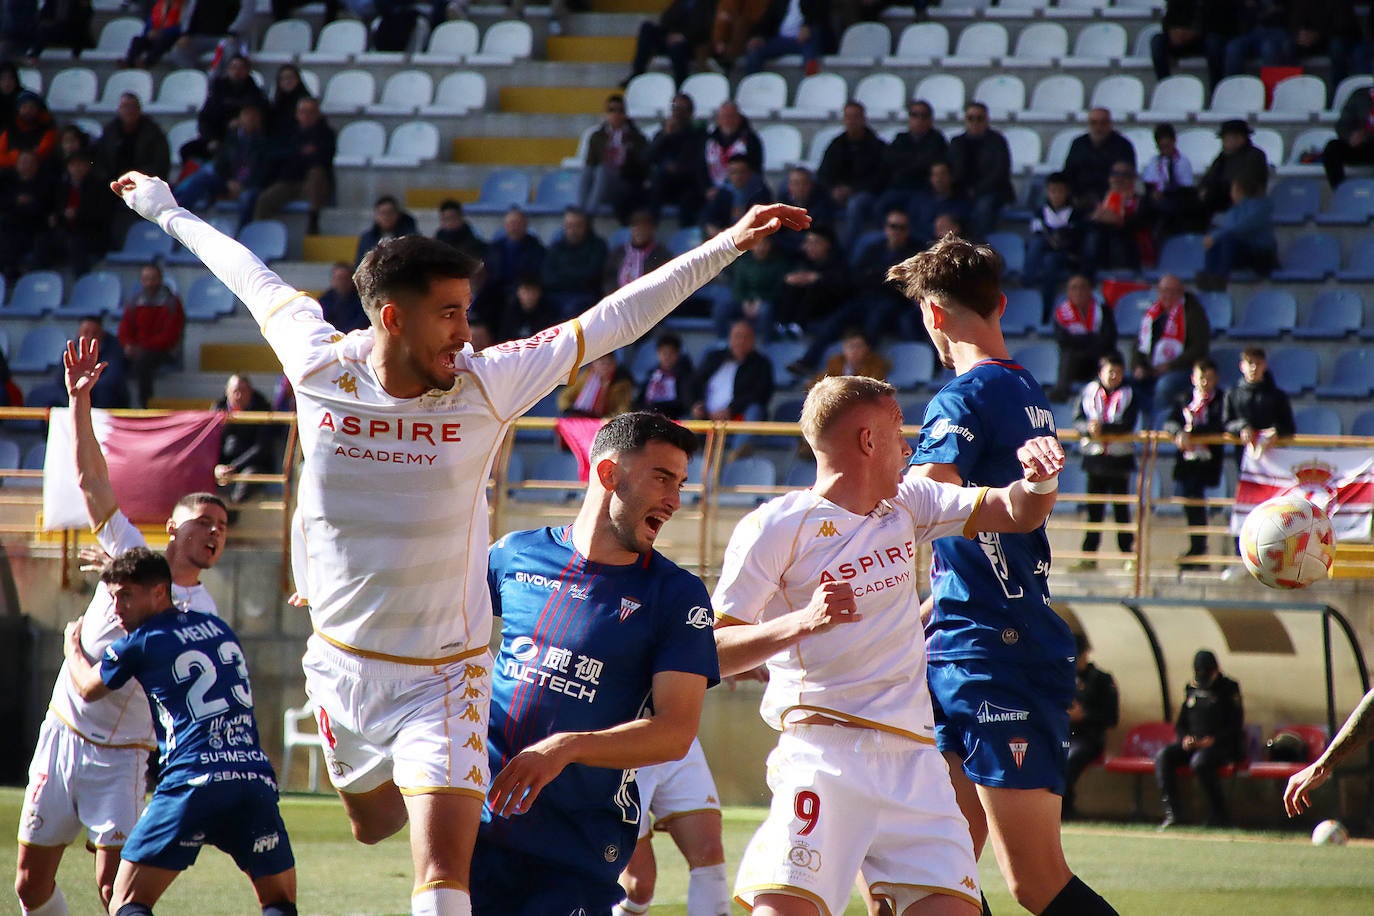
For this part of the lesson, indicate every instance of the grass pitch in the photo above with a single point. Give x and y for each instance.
(1185, 872)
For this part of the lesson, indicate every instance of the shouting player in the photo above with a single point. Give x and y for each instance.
(91, 760)
(1002, 670)
(399, 424)
(596, 629)
(820, 584)
(217, 785)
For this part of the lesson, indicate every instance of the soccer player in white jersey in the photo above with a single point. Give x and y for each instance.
(91, 760)
(399, 424)
(821, 585)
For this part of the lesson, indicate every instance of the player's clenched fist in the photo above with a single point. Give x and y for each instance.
(1041, 458)
(831, 604)
(147, 196)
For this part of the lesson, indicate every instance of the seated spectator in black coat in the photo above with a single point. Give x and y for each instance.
(302, 166)
(980, 162)
(613, 174)
(389, 221)
(1085, 329)
(288, 90)
(670, 387)
(247, 448)
(225, 98)
(817, 285)
(1195, 28)
(1171, 186)
(1354, 143)
(1211, 734)
(789, 27)
(527, 313)
(239, 169)
(803, 191)
(940, 199)
(26, 210)
(79, 228)
(513, 254)
(62, 24)
(852, 168)
(111, 390)
(1096, 708)
(1238, 157)
(676, 162)
(1122, 226)
(341, 304)
(908, 158)
(641, 253)
(574, 264)
(1055, 248)
(1092, 156)
(732, 135)
(456, 231)
(208, 25)
(743, 188)
(734, 382)
(1257, 409)
(10, 90)
(681, 29)
(1330, 29)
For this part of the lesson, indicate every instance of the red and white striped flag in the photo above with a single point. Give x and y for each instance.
(1339, 480)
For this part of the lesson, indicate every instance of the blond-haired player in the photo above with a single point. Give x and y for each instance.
(820, 585)
(399, 424)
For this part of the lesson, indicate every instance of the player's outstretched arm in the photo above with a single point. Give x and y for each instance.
(1024, 505)
(1357, 730)
(643, 742)
(742, 646)
(81, 370)
(84, 675)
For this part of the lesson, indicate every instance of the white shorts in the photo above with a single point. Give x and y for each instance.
(847, 801)
(670, 790)
(423, 728)
(74, 783)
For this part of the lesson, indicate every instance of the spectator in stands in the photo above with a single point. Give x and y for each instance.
(1198, 466)
(287, 93)
(682, 28)
(247, 448)
(788, 27)
(1243, 237)
(481, 336)
(111, 390)
(735, 382)
(513, 254)
(1313, 29)
(941, 199)
(1354, 143)
(1174, 334)
(150, 331)
(10, 91)
(574, 264)
(640, 254)
(72, 139)
(1055, 248)
(1170, 186)
(281, 9)
(1257, 409)
(528, 312)
(207, 26)
(132, 142)
(734, 24)
(341, 304)
(980, 164)
(818, 284)
(852, 168)
(803, 191)
(32, 131)
(227, 96)
(26, 208)
(62, 24)
(1096, 708)
(239, 168)
(732, 136)
(742, 188)
(302, 167)
(601, 390)
(1194, 28)
(162, 27)
(389, 221)
(856, 357)
(670, 386)
(756, 281)
(79, 227)
(1122, 226)
(676, 160)
(614, 172)
(908, 158)
(1107, 410)
(1085, 329)
(1092, 156)
(1238, 157)
(1259, 32)
(1211, 734)
(456, 231)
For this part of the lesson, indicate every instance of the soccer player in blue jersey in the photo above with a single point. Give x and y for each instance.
(597, 631)
(217, 784)
(1001, 668)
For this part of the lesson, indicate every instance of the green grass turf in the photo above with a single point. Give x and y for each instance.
(1185, 872)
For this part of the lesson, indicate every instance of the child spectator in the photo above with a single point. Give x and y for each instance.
(1257, 409)
(1085, 329)
(1244, 236)
(1055, 249)
(669, 389)
(1107, 409)
(1171, 186)
(1198, 466)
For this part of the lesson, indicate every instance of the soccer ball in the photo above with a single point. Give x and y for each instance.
(1286, 542)
(1330, 833)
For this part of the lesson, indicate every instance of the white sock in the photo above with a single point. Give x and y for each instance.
(708, 891)
(56, 906)
(440, 901)
(628, 907)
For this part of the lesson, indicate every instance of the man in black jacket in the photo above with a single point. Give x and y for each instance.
(1091, 157)
(1257, 409)
(684, 26)
(980, 162)
(852, 168)
(1239, 159)
(1354, 143)
(247, 448)
(1194, 28)
(676, 161)
(908, 158)
(1211, 734)
(1096, 708)
(735, 382)
(389, 221)
(303, 166)
(573, 265)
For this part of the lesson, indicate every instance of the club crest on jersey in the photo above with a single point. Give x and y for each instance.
(828, 530)
(1018, 746)
(803, 856)
(628, 606)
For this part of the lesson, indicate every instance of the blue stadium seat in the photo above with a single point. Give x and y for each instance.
(9, 461)
(1359, 263)
(1351, 377)
(865, 241)
(96, 294)
(33, 461)
(783, 353)
(800, 475)
(746, 472)
(788, 410)
(265, 238)
(46, 394)
(1295, 369)
(208, 300)
(684, 239)
(1041, 360)
(557, 190)
(1317, 421)
(1332, 315)
(1182, 256)
(547, 406)
(1295, 200)
(913, 364)
(40, 350)
(1352, 204)
(1268, 313)
(37, 293)
(1023, 312)
(1220, 310)
(143, 242)
(1363, 424)
(502, 189)
(1012, 247)
(1130, 309)
(559, 466)
(1228, 366)
(1308, 259)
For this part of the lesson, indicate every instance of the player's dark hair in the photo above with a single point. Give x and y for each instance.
(196, 500)
(139, 566)
(407, 266)
(631, 432)
(953, 271)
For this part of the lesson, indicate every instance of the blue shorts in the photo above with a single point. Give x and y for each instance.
(239, 816)
(1011, 728)
(507, 882)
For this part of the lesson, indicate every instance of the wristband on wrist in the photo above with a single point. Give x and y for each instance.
(1040, 488)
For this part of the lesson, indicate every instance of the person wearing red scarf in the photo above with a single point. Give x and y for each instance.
(1198, 466)
(1085, 329)
(1107, 409)
(163, 28)
(1174, 334)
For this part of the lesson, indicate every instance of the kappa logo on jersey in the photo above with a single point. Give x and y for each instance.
(628, 606)
(347, 383)
(334, 338)
(803, 856)
(828, 530)
(700, 617)
(942, 427)
(969, 883)
(1018, 746)
(987, 712)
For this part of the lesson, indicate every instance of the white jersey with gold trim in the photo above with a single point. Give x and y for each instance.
(871, 672)
(122, 717)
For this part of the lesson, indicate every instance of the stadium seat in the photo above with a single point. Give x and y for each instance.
(1054, 100)
(208, 300)
(944, 92)
(95, 293)
(1359, 263)
(458, 93)
(819, 141)
(1122, 95)
(1351, 377)
(761, 95)
(1040, 360)
(1352, 204)
(115, 36)
(31, 78)
(556, 191)
(358, 143)
(284, 42)
(1058, 151)
(266, 238)
(1310, 143)
(1308, 259)
(782, 145)
(800, 475)
(1296, 99)
(505, 42)
(649, 95)
(72, 89)
(1139, 58)
(1022, 315)
(1240, 96)
(311, 79)
(1039, 44)
(1348, 87)
(1003, 93)
(404, 93)
(863, 44)
(178, 135)
(820, 96)
(40, 349)
(1296, 200)
(450, 42)
(1174, 99)
(293, 736)
(682, 240)
(1270, 141)
(9, 460)
(920, 44)
(1137, 756)
(1181, 255)
(348, 91)
(1332, 315)
(746, 472)
(1228, 366)
(181, 92)
(1130, 309)
(1024, 144)
(411, 144)
(45, 394)
(979, 45)
(36, 293)
(1268, 313)
(1220, 310)
(556, 466)
(1012, 247)
(1142, 140)
(1317, 421)
(1097, 44)
(139, 82)
(883, 96)
(1363, 424)
(1295, 369)
(1200, 145)
(707, 90)
(338, 42)
(913, 364)
(501, 190)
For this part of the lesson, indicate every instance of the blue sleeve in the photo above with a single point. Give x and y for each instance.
(496, 563)
(952, 433)
(121, 661)
(687, 639)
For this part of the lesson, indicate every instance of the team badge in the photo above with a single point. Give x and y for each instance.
(627, 607)
(612, 853)
(1018, 746)
(1010, 636)
(803, 856)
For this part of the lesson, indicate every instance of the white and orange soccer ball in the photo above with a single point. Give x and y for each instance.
(1330, 833)
(1286, 542)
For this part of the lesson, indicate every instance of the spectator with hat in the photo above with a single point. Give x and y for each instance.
(1238, 157)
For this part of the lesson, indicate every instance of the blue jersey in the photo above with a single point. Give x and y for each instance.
(194, 673)
(992, 600)
(580, 645)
